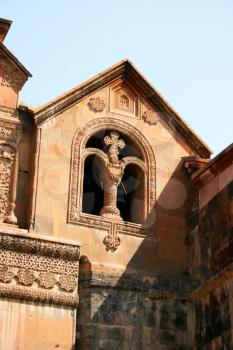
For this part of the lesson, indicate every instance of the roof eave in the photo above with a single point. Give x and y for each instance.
(128, 70)
(16, 61)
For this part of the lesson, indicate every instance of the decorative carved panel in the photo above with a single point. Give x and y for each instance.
(38, 270)
(96, 104)
(149, 115)
(9, 135)
(123, 99)
(8, 179)
(9, 131)
(7, 169)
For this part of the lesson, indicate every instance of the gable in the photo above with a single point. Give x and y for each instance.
(127, 89)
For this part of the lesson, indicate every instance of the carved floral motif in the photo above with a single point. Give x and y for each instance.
(47, 280)
(26, 277)
(6, 275)
(150, 117)
(112, 241)
(68, 283)
(96, 104)
(44, 262)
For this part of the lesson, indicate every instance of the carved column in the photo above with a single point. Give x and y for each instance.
(8, 180)
(111, 178)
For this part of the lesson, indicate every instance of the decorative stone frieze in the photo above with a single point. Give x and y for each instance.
(9, 110)
(38, 269)
(96, 104)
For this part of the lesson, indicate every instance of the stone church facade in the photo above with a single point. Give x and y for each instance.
(115, 224)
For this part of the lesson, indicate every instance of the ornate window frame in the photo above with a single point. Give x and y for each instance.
(80, 152)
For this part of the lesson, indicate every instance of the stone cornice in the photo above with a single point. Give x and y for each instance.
(214, 167)
(42, 296)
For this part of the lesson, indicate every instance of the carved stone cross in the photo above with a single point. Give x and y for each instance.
(116, 144)
(112, 175)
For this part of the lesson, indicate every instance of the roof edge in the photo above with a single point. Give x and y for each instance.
(126, 69)
(15, 59)
(216, 165)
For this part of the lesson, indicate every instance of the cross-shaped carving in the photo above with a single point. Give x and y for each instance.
(116, 144)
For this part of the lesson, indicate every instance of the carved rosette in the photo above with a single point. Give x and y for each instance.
(38, 270)
(26, 277)
(6, 275)
(47, 280)
(68, 283)
(96, 104)
(150, 117)
(112, 242)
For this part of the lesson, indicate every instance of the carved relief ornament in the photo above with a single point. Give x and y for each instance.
(79, 153)
(8, 180)
(150, 117)
(38, 270)
(96, 104)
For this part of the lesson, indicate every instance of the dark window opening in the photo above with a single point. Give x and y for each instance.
(93, 194)
(130, 195)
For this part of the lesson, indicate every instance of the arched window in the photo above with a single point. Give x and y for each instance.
(93, 194)
(113, 186)
(112, 182)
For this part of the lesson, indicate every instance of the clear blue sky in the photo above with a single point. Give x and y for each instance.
(184, 48)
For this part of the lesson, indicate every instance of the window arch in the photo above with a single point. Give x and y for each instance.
(139, 164)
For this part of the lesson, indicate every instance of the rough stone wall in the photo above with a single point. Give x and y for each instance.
(212, 256)
(214, 319)
(212, 242)
(134, 312)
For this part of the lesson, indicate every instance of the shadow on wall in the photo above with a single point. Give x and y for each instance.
(145, 306)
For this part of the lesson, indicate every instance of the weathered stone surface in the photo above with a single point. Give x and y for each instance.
(112, 165)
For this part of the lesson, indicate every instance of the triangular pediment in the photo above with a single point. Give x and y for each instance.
(128, 88)
(12, 72)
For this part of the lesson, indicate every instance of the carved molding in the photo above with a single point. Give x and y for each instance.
(38, 270)
(13, 77)
(40, 247)
(40, 296)
(79, 153)
(96, 104)
(8, 110)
